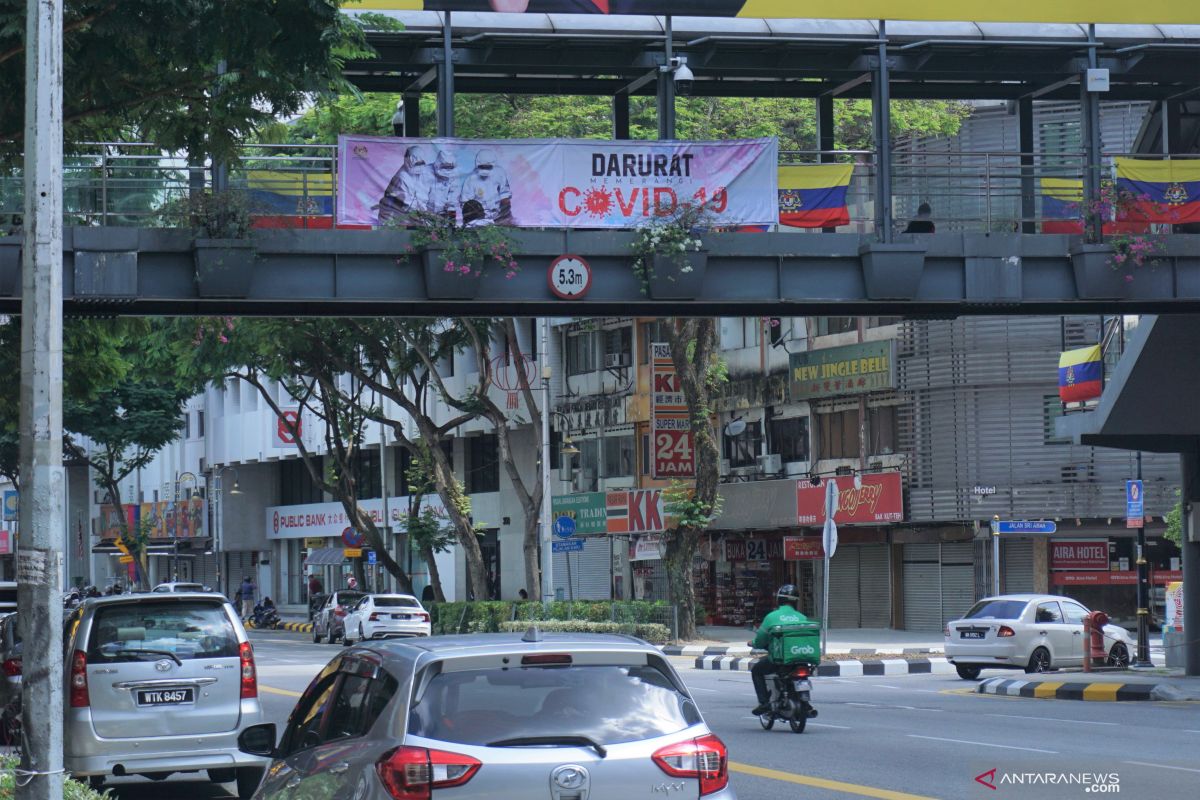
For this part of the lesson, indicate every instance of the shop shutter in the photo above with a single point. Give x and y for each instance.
(1018, 566)
(958, 580)
(590, 571)
(922, 588)
(874, 586)
(843, 588)
(204, 570)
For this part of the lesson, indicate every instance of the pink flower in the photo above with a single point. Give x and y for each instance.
(433, 237)
(1119, 258)
(465, 269)
(222, 339)
(1129, 279)
(510, 275)
(512, 264)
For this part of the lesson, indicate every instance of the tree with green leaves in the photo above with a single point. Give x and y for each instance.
(427, 532)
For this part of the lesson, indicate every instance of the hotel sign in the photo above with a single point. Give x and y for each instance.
(834, 371)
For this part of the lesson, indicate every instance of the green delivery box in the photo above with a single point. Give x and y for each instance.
(798, 643)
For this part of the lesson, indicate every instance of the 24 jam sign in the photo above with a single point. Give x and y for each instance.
(672, 454)
(570, 277)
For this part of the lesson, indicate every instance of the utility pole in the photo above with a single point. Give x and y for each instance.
(547, 548)
(40, 561)
(1143, 589)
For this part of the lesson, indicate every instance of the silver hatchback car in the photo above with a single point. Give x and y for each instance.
(496, 716)
(160, 683)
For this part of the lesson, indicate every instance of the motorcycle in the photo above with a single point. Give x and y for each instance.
(791, 692)
(264, 617)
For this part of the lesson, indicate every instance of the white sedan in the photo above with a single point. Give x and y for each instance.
(1033, 632)
(378, 616)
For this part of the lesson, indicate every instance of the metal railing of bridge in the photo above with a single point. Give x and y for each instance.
(969, 191)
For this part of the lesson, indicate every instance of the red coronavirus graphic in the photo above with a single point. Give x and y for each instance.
(597, 202)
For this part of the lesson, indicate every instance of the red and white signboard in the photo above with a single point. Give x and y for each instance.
(635, 511)
(569, 277)
(1123, 578)
(879, 498)
(287, 427)
(672, 453)
(802, 548)
(1079, 554)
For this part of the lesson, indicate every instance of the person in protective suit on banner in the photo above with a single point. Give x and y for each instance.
(409, 188)
(445, 189)
(785, 614)
(486, 195)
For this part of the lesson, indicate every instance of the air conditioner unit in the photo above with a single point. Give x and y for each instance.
(770, 463)
(724, 467)
(616, 360)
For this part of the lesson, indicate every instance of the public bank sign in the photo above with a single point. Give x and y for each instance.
(1078, 11)
(852, 369)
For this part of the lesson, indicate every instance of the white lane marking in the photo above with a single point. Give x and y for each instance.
(827, 725)
(702, 689)
(1162, 766)
(982, 744)
(1187, 731)
(1053, 719)
(868, 705)
(885, 686)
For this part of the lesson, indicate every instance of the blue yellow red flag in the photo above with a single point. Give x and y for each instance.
(1062, 203)
(1080, 374)
(814, 195)
(290, 199)
(1166, 191)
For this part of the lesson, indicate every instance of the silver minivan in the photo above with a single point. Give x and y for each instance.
(157, 684)
(495, 716)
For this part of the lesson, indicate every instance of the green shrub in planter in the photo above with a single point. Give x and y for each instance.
(651, 632)
(72, 790)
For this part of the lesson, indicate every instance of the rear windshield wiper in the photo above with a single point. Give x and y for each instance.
(144, 651)
(521, 741)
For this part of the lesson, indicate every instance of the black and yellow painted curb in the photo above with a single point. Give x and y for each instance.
(1068, 690)
(295, 627)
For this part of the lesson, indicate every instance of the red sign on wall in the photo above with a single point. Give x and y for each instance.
(287, 427)
(1124, 578)
(1079, 554)
(880, 498)
(635, 511)
(802, 548)
(671, 452)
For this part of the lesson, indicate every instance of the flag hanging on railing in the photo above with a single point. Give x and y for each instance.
(1062, 202)
(290, 199)
(1080, 374)
(1167, 191)
(814, 195)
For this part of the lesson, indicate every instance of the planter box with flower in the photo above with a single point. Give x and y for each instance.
(223, 248)
(455, 259)
(1106, 269)
(669, 255)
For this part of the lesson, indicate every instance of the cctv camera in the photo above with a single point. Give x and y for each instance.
(684, 79)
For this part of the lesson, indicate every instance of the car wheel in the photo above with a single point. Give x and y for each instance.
(248, 779)
(968, 672)
(222, 775)
(95, 782)
(333, 639)
(767, 721)
(1118, 656)
(361, 636)
(346, 638)
(1039, 661)
(316, 634)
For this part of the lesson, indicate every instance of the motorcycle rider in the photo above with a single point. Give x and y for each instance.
(784, 614)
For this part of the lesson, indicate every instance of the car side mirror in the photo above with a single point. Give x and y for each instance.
(258, 740)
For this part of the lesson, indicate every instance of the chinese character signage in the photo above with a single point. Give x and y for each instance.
(852, 369)
(671, 452)
(554, 183)
(802, 548)
(879, 498)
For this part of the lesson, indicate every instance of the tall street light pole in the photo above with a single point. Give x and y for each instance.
(43, 482)
(219, 527)
(1143, 588)
(547, 548)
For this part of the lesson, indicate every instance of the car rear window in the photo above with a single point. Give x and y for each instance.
(349, 598)
(997, 609)
(608, 704)
(146, 630)
(398, 602)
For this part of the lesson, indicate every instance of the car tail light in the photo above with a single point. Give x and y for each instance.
(1005, 632)
(249, 676)
(946, 631)
(424, 617)
(79, 684)
(705, 758)
(11, 667)
(546, 660)
(339, 611)
(412, 773)
(801, 672)
(374, 617)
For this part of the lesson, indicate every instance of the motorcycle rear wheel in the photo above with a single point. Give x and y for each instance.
(767, 721)
(798, 724)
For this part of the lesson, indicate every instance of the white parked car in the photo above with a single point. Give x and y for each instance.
(378, 616)
(1033, 632)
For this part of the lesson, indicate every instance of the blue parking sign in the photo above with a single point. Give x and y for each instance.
(1135, 505)
(370, 556)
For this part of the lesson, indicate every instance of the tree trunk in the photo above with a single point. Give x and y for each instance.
(131, 539)
(374, 537)
(464, 530)
(435, 577)
(681, 550)
(531, 550)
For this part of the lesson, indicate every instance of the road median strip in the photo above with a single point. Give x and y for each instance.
(1079, 690)
(294, 627)
(842, 668)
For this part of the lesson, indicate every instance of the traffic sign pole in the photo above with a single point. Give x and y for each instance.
(1143, 585)
(995, 556)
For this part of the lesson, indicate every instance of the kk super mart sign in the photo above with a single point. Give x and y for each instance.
(672, 451)
(879, 497)
(1175, 12)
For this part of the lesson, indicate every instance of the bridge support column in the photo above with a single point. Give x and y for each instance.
(445, 87)
(882, 122)
(1190, 545)
(620, 116)
(1026, 145)
(1090, 125)
(825, 135)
